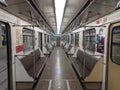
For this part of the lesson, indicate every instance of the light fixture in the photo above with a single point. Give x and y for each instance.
(59, 9)
(3, 2)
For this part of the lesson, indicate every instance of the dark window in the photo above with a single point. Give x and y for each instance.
(65, 38)
(116, 45)
(45, 38)
(40, 40)
(28, 39)
(3, 34)
(4, 56)
(72, 38)
(89, 39)
(77, 39)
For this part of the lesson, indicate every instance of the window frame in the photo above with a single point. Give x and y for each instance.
(77, 39)
(72, 38)
(9, 55)
(33, 41)
(111, 54)
(89, 36)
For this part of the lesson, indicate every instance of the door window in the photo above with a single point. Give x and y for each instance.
(116, 45)
(3, 57)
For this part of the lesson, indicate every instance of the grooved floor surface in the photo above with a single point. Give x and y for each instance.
(58, 73)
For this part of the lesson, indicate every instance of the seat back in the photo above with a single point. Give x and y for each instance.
(86, 61)
(28, 61)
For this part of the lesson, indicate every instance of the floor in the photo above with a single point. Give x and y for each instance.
(58, 73)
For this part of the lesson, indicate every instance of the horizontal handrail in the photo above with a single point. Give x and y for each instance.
(97, 55)
(23, 55)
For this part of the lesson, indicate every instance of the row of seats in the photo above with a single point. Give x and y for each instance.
(88, 68)
(67, 47)
(33, 63)
(84, 63)
(49, 46)
(28, 69)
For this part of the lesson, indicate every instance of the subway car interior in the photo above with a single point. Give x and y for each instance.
(59, 44)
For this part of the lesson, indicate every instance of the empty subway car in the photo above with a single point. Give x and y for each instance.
(84, 56)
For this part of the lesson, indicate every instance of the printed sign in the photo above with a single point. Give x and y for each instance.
(19, 40)
(100, 42)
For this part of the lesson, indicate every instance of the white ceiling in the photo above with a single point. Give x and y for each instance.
(97, 9)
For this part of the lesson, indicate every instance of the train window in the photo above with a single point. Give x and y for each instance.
(52, 38)
(76, 39)
(62, 39)
(89, 39)
(3, 35)
(68, 39)
(47, 38)
(28, 39)
(72, 38)
(116, 45)
(65, 39)
(3, 56)
(45, 41)
(40, 40)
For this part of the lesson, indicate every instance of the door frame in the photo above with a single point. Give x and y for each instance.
(9, 55)
(109, 50)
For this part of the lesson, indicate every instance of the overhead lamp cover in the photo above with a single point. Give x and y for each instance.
(118, 5)
(3, 2)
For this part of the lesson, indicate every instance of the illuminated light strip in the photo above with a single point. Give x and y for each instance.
(3, 2)
(59, 8)
(50, 84)
(68, 85)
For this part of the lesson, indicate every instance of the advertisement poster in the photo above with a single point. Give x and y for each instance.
(100, 42)
(19, 40)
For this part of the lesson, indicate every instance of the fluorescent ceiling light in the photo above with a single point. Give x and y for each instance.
(3, 2)
(59, 8)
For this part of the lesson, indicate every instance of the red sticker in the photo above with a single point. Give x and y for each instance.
(19, 48)
(97, 21)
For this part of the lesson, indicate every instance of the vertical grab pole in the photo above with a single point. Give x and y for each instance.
(33, 36)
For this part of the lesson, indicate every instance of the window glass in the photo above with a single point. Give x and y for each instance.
(116, 45)
(76, 39)
(65, 38)
(45, 38)
(40, 40)
(72, 38)
(3, 57)
(89, 39)
(28, 42)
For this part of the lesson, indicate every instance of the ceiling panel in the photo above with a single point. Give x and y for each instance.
(23, 10)
(18, 8)
(97, 9)
(71, 9)
(48, 10)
